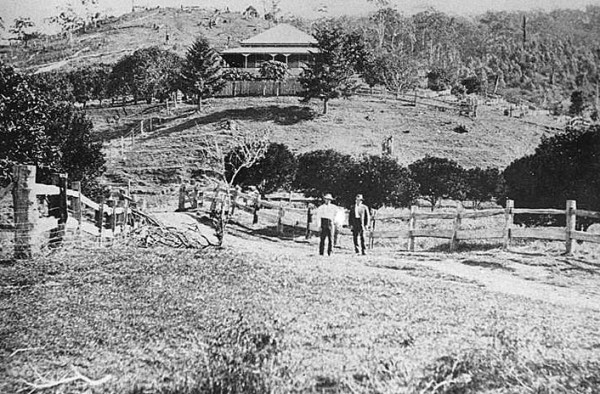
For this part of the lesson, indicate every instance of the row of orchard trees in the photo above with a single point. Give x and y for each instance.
(563, 167)
(381, 179)
(152, 74)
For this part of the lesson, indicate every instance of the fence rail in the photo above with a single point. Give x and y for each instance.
(102, 220)
(281, 214)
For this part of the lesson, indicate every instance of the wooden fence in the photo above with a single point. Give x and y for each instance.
(467, 107)
(283, 214)
(288, 87)
(40, 214)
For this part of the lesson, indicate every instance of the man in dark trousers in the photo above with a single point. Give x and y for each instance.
(325, 217)
(359, 221)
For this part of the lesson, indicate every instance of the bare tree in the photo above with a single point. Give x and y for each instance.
(223, 161)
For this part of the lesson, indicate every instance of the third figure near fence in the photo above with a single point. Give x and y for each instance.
(325, 217)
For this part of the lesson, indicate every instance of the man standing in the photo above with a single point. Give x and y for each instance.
(326, 215)
(359, 221)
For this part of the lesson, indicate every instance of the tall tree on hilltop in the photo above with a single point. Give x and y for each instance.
(334, 71)
(202, 74)
(22, 28)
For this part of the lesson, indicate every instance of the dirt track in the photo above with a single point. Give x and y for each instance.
(570, 281)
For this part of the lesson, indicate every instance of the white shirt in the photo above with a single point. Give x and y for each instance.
(326, 211)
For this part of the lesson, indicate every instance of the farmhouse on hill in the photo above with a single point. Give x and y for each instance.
(283, 43)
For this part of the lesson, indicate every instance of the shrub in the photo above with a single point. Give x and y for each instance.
(273, 70)
(322, 171)
(381, 180)
(439, 178)
(563, 167)
(276, 170)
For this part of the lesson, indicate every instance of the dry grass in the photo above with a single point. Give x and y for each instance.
(356, 126)
(181, 322)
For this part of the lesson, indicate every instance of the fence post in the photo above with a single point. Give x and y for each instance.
(509, 218)
(113, 218)
(125, 213)
(571, 212)
(142, 127)
(57, 235)
(76, 185)
(182, 196)
(412, 223)
(25, 209)
(308, 220)
(280, 215)
(100, 220)
(256, 208)
(456, 227)
(194, 195)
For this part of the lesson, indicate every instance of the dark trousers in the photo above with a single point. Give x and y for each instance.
(356, 236)
(326, 233)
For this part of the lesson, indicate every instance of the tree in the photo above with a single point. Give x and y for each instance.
(147, 73)
(322, 171)
(483, 185)
(382, 182)
(396, 71)
(438, 178)
(275, 171)
(54, 84)
(202, 73)
(563, 167)
(22, 28)
(333, 73)
(75, 16)
(222, 169)
(37, 130)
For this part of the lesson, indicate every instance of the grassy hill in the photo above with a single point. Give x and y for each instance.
(116, 37)
(356, 126)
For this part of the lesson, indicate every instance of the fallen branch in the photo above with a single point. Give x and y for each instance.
(27, 349)
(46, 384)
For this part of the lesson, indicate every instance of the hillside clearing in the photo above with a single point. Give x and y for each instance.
(356, 126)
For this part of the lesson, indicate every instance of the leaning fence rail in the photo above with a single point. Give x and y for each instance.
(283, 214)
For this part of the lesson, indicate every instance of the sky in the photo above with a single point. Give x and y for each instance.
(38, 10)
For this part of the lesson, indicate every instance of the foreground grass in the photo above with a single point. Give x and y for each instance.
(167, 321)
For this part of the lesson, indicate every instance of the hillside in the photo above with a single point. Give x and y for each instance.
(116, 37)
(355, 126)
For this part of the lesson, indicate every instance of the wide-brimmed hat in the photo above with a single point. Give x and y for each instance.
(359, 197)
(328, 196)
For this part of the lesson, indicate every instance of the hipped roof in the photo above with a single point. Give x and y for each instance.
(281, 35)
(270, 50)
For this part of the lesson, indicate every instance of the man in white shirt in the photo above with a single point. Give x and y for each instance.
(326, 216)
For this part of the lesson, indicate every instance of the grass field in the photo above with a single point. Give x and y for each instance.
(356, 126)
(265, 315)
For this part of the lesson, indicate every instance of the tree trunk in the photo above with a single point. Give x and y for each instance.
(325, 101)
(199, 103)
